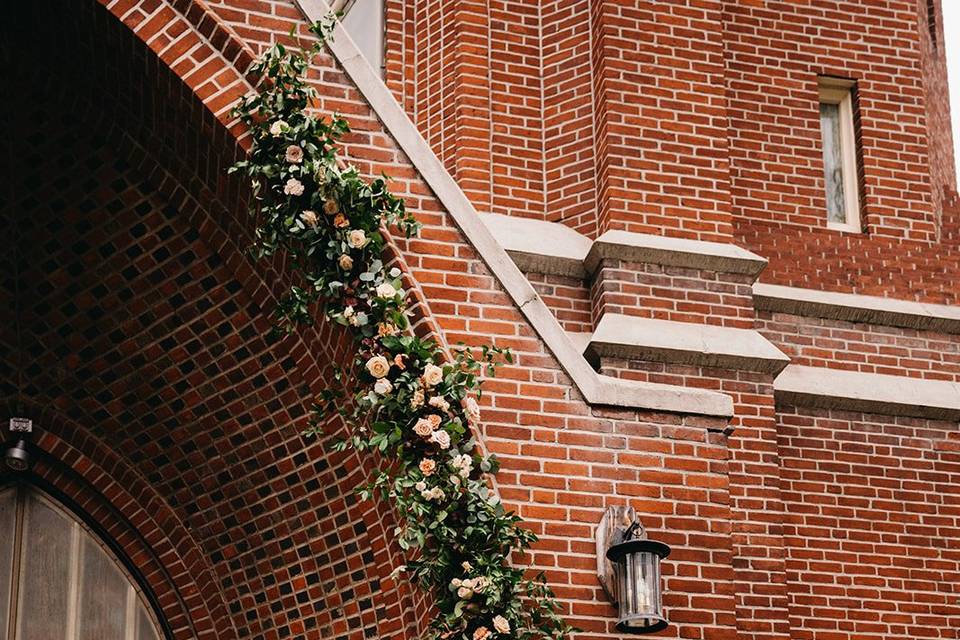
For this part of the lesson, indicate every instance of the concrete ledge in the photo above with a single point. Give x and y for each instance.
(852, 307)
(539, 246)
(673, 252)
(662, 397)
(868, 393)
(622, 336)
(596, 389)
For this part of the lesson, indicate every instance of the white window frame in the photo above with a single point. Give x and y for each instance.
(839, 91)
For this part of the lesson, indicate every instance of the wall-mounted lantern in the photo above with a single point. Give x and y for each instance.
(628, 565)
(16, 456)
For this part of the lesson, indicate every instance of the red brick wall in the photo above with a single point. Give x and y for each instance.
(703, 123)
(293, 552)
(834, 344)
(568, 114)
(871, 522)
(568, 298)
(937, 100)
(774, 53)
(662, 123)
(673, 293)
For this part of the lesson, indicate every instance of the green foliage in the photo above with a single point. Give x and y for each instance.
(411, 403)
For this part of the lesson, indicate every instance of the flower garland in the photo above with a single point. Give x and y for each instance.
(414, 405)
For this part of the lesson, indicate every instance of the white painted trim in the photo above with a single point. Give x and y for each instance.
(622, 336)
(595, 388)
(868, 393)
(851, 307)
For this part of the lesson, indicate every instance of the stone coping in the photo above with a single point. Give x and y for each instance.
(673, 252)
(622, 336)
(553, 248)
(596, 389)
(851, 307)
(868, 393)
(538, 246)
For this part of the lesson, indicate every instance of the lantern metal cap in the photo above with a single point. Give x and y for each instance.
(617, 551)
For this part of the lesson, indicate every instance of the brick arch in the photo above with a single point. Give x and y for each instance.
(313, 540)
(134, 519)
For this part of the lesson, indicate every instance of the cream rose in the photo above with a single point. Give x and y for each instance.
(417, 399)
(294, 154)
(439, 403)
(293, 187)
(378, 366)
(433, 494)
(357, 239)
(386, 290)
(345, 262)
(277, 128)
(473, 410)
(501, 624)
(463, 464)
(441, 438)
(309, 218)
(383, 386)
(432, 375)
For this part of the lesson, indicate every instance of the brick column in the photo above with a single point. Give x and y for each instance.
(452, 90)
(661, 118)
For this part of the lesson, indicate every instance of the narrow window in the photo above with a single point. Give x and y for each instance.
(839, 154)
(363, 20)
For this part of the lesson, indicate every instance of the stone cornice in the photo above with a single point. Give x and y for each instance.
(851, 307)
(550, 247)
(673, 252)
(622, 336)
(538, 246)
(867, 393)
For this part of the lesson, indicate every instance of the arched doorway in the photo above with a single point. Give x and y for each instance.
(143, 336)
(59, 580)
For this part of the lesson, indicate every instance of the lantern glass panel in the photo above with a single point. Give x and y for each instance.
(637, 570)
(639, 590)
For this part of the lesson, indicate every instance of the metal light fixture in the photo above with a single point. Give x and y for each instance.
(16, 456)
(629, 570)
